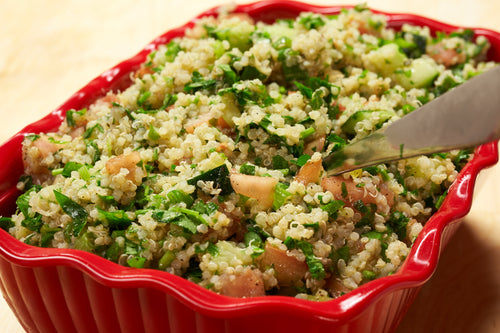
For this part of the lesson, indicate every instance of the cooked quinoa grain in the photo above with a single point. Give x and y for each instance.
(209, 165)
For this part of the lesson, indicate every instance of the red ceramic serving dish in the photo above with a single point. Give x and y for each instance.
(61, 290)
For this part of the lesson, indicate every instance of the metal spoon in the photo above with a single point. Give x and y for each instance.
(465, 117)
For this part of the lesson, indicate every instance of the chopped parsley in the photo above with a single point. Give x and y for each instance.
(315, 266)
(198, 82)
(77, 213)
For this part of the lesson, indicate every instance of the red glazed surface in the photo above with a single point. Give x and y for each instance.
(60, 290)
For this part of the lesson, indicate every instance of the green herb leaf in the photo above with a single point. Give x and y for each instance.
(466, 34)
(88, 132)
(115, 220)
(337, 141)
(70, 167)
(279, 162)
(343, 188)
(6, 223)
(307, 133)
(375, 170)
(186, 218)
(397, 222)
(440, 199)
(367, 211)
(462, 158)
(142, 98)
(32, 137)
(207, 247)
(136, 262)
(229, 75)
(191, 214)
(178, 196)
(47, 235)
(290, 64)
(77, 213)
(252, 238)
(153, 134)
(251, 73)
(193, 272)
(23, 201)
(70, 116)
(220, 177)
(304, 90)
(281, 195)
(302, 160)
(198, 82)
(173, 49)
(332, 207)
(315, 225)
(373, 235)
(311, 21)
(315, 266)
(33, 223)
(369, 275)
(108, 199)
(343, 253)
(166, 259)
(169, 100)
(92, 149)
(205, 208)
(247, 169)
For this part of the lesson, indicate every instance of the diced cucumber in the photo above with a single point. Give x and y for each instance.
(277, 31)
(419, 74)
(238, 35)
(386, 59)
(349, 126)
(219, 49)
(231, 109)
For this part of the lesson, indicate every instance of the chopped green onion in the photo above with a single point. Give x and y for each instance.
(307, 133)
(178, 196)
(142, 98)
(173, 49)
(166, 259)
(153, 135)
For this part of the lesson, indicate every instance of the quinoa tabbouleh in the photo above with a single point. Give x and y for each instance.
(209, 166)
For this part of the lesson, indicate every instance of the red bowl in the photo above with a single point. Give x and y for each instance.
(63, 290)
